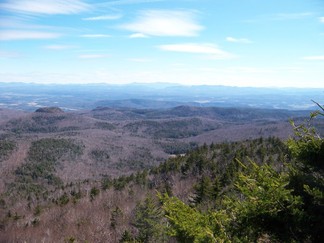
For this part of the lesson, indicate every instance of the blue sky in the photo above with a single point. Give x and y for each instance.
(277, 43)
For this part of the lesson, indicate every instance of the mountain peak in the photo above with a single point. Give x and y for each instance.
(53, 110)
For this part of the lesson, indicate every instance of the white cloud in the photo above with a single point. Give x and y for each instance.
(321, 19)
(207, 49)
(126, 2)
(138, 35)
(96, 36)
(58, 47)
(165, 23)
(314, 58)
(104, 17)
(28, 23)
(92, 56)
(45, 6)
(238, 40)
(26, 35)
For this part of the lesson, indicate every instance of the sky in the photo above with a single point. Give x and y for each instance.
(259, 43)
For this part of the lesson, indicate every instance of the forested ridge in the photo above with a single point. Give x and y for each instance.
(261, 190)
(265, 203)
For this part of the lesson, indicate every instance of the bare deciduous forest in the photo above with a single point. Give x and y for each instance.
(95, 175)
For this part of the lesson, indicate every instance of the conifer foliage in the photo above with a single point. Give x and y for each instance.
(282, 204)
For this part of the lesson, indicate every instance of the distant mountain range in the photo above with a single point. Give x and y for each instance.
(29, 97)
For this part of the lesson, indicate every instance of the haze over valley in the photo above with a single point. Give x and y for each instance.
(69, 97)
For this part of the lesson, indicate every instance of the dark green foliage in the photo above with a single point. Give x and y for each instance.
(127, 237)
(43, 157)
(2, 203)
(120, 183)
(106, 183)
(70, 240)
(25, 186)
(203, 190)
(141, 178)
(105, 125)
(50, 110)
(306, 175)
(35, 171)
(76, 195)
(100, 155)
(219, 160)
(50, 149)
(308, 148)
(170, 165)
(63, 200)
(189, 225)
(44, 123)
(6, 148)
(148, 217)
(94, 192)
(178, 147)
(266, 207)
(116, 217)
(180, 128)
(261, 202)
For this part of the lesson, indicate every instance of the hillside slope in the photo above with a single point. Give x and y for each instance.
(101, 210)
(86, 176)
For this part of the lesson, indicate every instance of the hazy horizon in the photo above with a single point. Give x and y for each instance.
(168, 84)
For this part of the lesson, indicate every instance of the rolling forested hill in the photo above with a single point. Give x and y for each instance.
(127, 175)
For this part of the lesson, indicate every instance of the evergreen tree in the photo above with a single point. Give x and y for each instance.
(148, 217)
(187, 224)
(127, 237)
(307, 177)
(203, 190)
(266, 204)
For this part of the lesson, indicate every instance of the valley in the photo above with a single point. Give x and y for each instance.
(84, 172)
(118, 141)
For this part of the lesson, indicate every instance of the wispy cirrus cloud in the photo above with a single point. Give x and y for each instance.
(17, 22)
(126, 2)
(207, 49)
(321, 19)
(45, 6)
(238, 40)
(104, 17)
(314, 58)
(165, 23)
(137, 35)
(95, 36)
(8, 35)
